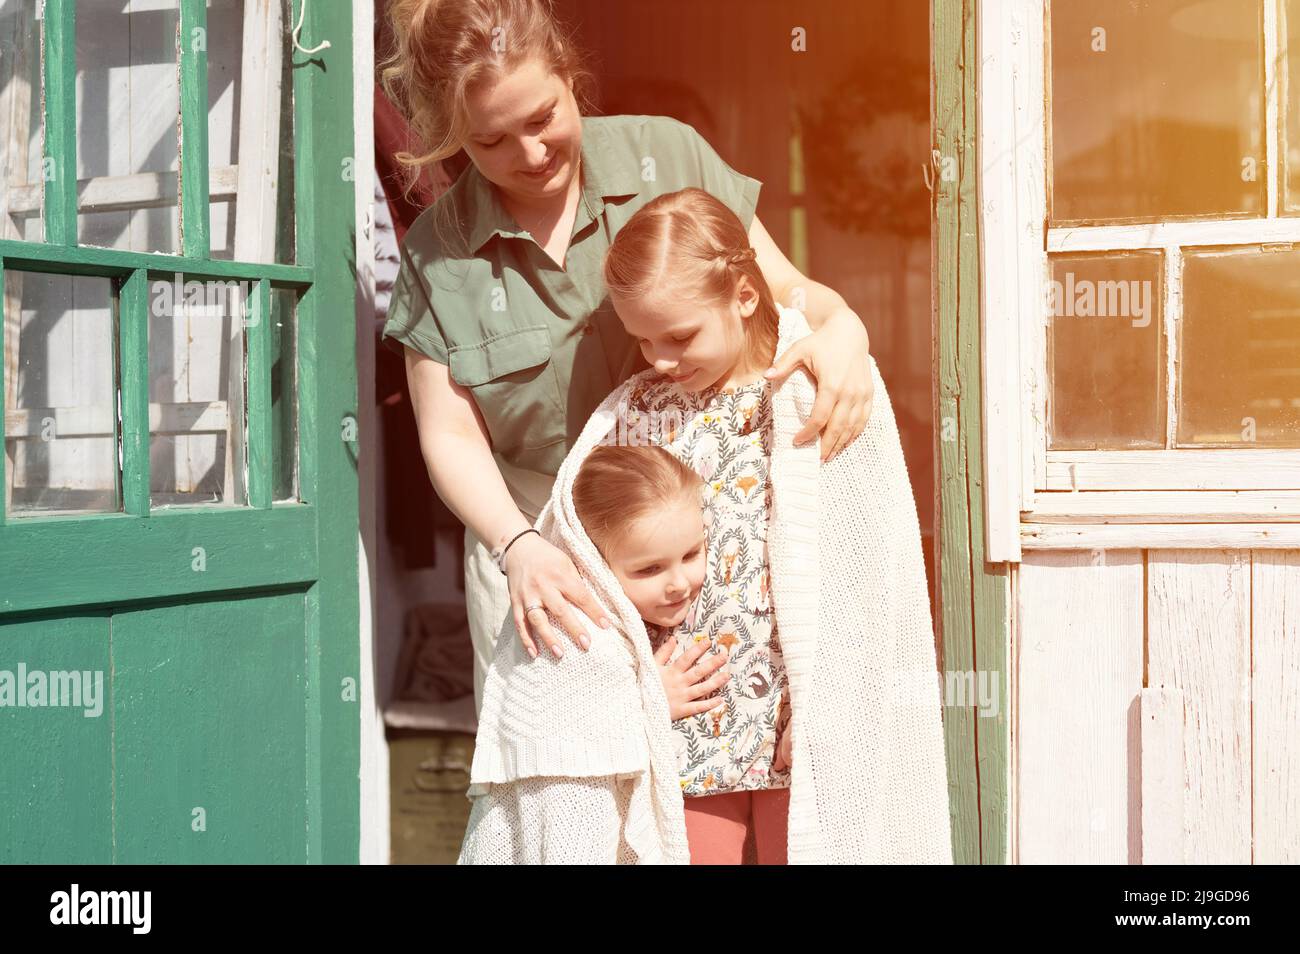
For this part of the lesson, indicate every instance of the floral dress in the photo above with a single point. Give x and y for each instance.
(725, 436)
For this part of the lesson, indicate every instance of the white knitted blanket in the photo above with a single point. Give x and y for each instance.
(574, 760)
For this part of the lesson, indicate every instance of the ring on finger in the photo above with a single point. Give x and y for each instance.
(532, 606)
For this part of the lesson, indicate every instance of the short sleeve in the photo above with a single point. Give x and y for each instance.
(738, 191)
(410, 315)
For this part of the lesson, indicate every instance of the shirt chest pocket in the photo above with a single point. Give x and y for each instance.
(513, 381)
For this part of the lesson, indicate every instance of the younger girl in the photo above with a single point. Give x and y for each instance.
(643, 509)
(815, 585)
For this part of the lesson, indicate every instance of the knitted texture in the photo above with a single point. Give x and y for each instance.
(868, 784)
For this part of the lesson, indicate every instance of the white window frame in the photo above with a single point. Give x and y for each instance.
(1040, 499)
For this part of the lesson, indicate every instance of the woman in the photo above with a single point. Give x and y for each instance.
(510, 341)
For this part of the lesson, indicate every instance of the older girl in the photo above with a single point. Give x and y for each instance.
(814, 586)
(509, 338)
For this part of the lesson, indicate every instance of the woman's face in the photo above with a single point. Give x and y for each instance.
(525, 132)
(697, 346)
(660, 561)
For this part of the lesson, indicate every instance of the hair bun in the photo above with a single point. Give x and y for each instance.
(741, 255)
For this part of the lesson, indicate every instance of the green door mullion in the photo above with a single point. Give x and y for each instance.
(133, 354)
(194, 128)
(3, 391)
(59, 59)
(258, 325)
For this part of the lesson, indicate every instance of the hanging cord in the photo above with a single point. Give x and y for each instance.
(302, 15)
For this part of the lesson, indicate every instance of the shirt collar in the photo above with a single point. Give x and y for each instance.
(606, 178)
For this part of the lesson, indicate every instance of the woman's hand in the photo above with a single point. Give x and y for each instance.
(686, 680)
(836, 355)
(539, 573)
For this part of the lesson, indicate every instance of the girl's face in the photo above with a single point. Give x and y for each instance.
(525, 132)
(697, 346)
(660, 561)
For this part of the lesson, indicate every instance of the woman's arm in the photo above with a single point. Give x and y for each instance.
(457, 453)
(835, 354)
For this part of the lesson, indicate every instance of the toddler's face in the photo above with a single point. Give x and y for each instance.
(697, 346)
(660, 562)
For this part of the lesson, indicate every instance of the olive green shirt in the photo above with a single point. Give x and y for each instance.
(539, 346)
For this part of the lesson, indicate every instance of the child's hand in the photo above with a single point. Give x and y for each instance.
(784, 745)
(686, 681)
(781, 761)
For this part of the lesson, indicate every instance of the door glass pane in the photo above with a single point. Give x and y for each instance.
(1157, 109)
(196, 391)
(284, 393)
(21, 121)
(1106, 351)
(1240, 348)
(250, 135)
(60, 398)
(128, 102)
(1290, 71)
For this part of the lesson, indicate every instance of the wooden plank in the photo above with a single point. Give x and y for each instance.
(259, 132)
(194, 417)
(1124, 536)
(1079, 672)
(195, 208)
(60, 104)
(142, 190)
(1275, 706)
(182, 550)
(324, 202)
(15, 132)
(1188, 469)
(133, 355)
(56, 775)
(1012, 210)
(241, 664)
(1198, 632)
(1170, 506)
(973, 595)
(259, 396)
(1163, 782)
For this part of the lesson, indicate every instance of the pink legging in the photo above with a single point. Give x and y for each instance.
(716, 826)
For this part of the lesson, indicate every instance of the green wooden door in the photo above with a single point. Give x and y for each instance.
(178, 541)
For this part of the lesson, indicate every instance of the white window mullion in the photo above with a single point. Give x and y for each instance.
(1272, 109)
(1173, 323)
(1145, 235)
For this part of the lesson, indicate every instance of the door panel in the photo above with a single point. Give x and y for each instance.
(56, 781)
(217, 596)
(199, 778)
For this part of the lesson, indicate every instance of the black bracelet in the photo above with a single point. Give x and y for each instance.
(501, 560)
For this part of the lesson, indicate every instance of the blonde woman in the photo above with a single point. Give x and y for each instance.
(510, 340)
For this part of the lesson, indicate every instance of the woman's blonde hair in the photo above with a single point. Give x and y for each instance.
(442, 47)
(688, 244)
(618, 485)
